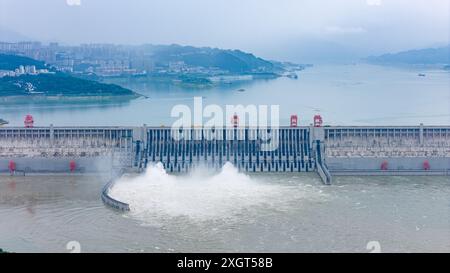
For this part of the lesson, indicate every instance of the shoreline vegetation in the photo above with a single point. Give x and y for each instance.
(66, 98)
(3, 122)
(57, 85)
(194, 81)
(23, 77)
(2, 251)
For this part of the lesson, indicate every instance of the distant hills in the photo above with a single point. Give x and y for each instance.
(58, 84)
(194, 67)
(231, 61)
(9, 35)
(77, 70)
(427, 56)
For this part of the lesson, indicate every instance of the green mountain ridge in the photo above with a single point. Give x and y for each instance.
(233, 61)
(11, 62)
(427, 56)
(51, 84)
(56, 85)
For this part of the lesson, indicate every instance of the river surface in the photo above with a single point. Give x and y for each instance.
(235, 212)
(357, 94)
(258, 213)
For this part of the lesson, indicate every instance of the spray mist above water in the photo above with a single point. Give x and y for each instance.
(203, 196)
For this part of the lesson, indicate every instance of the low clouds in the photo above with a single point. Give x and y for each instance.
(344, 30)
(374, 2)
(263, 27)
(73, 2)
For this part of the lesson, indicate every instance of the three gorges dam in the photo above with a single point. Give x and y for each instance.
(327, 150)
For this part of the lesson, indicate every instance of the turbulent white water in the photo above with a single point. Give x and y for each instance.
(202, 196)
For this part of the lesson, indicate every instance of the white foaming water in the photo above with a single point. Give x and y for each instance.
(202, 196)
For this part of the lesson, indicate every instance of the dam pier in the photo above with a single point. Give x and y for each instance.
(327, 150)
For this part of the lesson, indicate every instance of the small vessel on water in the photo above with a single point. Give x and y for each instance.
(3, 122)
(292, 75)
(241, 90)
(421, 75)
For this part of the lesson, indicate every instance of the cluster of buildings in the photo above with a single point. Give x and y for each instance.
(102, 59)
(119, 60)
(23, 70)
(182, 67)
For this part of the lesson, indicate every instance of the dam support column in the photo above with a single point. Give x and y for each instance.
(139, 146)
(317, 135)
(317, 139)
(52, 134)
(144, 147)
(421, 134)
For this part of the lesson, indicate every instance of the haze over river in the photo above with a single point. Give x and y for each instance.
(357, 94)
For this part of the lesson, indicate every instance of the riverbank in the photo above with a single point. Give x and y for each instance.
(71, 99)
(191, 81)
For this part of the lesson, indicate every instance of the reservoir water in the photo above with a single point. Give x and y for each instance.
(357, 94)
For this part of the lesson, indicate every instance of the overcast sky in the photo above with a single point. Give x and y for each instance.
(278, 29)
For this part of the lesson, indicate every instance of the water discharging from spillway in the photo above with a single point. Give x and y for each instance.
(204, 196)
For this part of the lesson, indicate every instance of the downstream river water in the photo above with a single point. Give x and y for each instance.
(288, 213)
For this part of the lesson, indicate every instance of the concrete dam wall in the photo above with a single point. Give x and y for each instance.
(285, 149)
(400, 149)
(51, 149)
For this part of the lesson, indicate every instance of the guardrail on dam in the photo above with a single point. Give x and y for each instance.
(341, 149)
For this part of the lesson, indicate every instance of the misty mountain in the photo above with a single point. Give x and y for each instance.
(426, 56)
(234, 61)
(11, 62)
(311, 50)
(11, 36)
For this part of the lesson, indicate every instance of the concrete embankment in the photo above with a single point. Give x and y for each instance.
(391, 173)
(99, 164)
(111, 202)
(324, 174)
(394, 166)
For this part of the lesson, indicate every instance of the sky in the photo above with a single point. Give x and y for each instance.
(288, 30)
